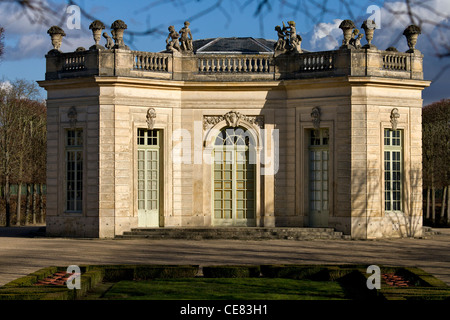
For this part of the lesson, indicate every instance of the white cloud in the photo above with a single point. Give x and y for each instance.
(325, 36)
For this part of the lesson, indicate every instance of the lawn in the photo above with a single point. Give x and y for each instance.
(226, 289)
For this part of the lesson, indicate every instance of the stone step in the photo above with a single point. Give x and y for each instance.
(238, 233)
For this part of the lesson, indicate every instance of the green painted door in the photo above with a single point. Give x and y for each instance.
(148, 178)
(318, 178)
(234, 179)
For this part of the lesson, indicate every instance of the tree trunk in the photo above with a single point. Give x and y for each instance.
(428, 203)
(448, 205)
(7, 202)
(27, 205)
(444, 196)
(34, 210)
(19, 204)
(41, 202)
(433, 204)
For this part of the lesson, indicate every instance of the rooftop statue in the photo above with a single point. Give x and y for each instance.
(186, 38)
(172, 42)
(109, 41)
(288, 39)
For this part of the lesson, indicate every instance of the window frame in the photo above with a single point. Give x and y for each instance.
(78, 176)
(395, 173)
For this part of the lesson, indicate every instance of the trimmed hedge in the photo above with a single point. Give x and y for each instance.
(231, 271)
(351, 277)
(165, 272)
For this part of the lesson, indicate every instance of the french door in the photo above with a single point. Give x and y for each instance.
(148, 170)
(234, 179)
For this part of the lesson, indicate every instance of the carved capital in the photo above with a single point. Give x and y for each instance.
(151, 116)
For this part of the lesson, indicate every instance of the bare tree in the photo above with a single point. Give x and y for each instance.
(18, 116)
(436, 152)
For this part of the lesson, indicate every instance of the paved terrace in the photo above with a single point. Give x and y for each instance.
(22, 252)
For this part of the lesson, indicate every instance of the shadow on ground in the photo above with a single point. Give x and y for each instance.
(22, 232)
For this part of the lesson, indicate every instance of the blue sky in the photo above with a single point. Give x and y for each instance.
(26, 43)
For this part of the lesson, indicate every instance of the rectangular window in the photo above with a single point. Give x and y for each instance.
(392, 170)
(74, 170)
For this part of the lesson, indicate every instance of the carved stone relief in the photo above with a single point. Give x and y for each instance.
(73, 116)
(315, 117)
(394, 118)
(233, 119)
(151, 116)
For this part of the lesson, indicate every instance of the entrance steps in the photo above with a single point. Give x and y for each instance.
(234, 233)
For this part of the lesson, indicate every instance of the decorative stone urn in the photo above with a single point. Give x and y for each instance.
(117, 29)
(347, 27)
(56, 34)
(97, 27)
(369, 27)
(412, 33)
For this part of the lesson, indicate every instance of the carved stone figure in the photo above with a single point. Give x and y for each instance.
(172, 42)
(109, 41)
(186, 38)
(151, 116)
(356, 42)
(288, 39)
(412, 33)
(97, 26)
(280, 45)
(56, 34)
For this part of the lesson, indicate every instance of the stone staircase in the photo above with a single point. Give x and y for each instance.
(234, 233)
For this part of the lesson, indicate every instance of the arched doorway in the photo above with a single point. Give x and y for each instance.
(234, 178)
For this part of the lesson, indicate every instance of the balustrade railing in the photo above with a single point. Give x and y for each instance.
(149, 61)
(395, 61)
(234, 64)
(74, 61)
(317, 61)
